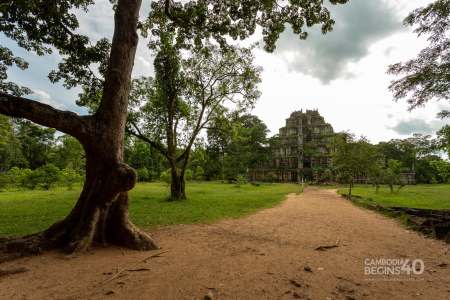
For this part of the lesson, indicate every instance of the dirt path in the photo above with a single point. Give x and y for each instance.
(262, 256)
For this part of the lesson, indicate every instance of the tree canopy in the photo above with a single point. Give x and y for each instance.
(427, 76)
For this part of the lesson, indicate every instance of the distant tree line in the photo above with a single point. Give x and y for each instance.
(356, 160)
(32, 156)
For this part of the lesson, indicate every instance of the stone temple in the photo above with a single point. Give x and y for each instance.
(302, 150)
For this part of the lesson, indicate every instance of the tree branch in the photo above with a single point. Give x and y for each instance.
(45, 115)
(143, 138)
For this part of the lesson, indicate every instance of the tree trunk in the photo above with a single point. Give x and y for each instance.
(177, 184)
(101, 214)
(350, 186)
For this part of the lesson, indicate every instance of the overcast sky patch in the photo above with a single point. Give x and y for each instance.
(415, 125)
(359, 24)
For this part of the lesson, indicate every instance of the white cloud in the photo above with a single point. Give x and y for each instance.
(45, 98)
(416, 125)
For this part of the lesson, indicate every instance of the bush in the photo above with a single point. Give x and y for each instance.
(199, 173)
(143, 175)
(45, 176)
(188, 174)
(166, 177)
(240, 180)
(4, 180)
(19, 177)
(69, 177)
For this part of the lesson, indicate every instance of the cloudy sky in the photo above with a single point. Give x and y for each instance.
(342, 74)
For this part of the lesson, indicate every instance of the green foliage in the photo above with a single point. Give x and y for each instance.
(166, 177)
(442, 169)
(198, 21)
(208, 202)
(36, 143)
(238, 143)
(392, 174)
(353, 158)
(4, 180)
(143, 175)
(443, 140)
(327, 176)
(45, 176)
(240, 180)
(426, 76)
(188, 174)
(69, 177)
(69, 153)
(19, 177)
(199, 173)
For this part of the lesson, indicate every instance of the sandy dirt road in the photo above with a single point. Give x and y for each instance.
(268, 255)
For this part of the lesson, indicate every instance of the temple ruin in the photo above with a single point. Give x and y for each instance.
(302, 150)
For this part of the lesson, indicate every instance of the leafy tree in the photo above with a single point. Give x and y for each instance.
(443, 139)
(376, 173)
(219, 136)
(426, 76)
(239, 141)
(442, 168)
(175, 112)
(36, 143)
(69, 153)
(140, 155)
(10, 148)
(392, 174)
(39, 27)
(353, 158)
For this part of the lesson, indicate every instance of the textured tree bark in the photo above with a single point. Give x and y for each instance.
(177, 185)
(101, 214)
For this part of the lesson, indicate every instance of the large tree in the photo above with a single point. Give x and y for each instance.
(170, 113)
(427, 76)
(353, 158)
(239, 142)
(101, 213)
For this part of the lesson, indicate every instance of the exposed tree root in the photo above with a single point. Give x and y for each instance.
(75, 235)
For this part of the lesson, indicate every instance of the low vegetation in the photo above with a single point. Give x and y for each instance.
(24, 212)
(431, 196)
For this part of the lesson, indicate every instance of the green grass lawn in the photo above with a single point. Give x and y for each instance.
(25, 212)
(432, 196)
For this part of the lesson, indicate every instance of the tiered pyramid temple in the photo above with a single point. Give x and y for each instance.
(302, 150)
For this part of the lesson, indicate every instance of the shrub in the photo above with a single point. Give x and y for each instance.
(45, 176)
(199, 173)
(4, 180)
(19, 177)
(69, 177)
(143, 175)
(166, 177)
(188, 174)
(240, 180)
